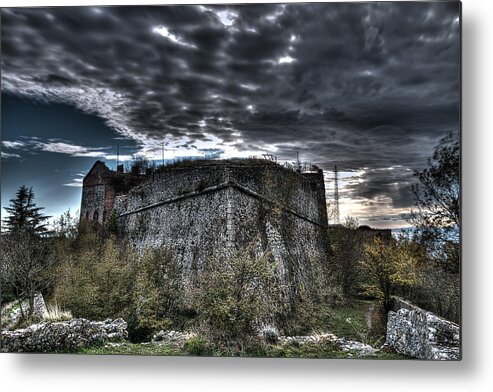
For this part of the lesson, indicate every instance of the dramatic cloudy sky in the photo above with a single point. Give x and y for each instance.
(369, 87)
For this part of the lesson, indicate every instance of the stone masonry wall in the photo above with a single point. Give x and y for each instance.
(421, 334)
(63, 335)
(192, 228)
(298, 246)
(206, 211)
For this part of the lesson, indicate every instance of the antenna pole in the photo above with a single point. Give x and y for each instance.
(162, 152)
(337, 218)
(117, 155)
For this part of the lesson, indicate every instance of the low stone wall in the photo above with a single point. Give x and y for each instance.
(421, 334)
(63, 336)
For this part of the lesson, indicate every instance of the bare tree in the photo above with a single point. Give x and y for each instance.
(23, 268)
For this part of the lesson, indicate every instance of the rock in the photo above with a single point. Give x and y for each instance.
(351, 346)
(176, 337)
(39, 306)
(362, 349)
(62, 336)
(421, 334)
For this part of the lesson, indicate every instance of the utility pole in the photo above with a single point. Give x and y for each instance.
(337, 218)
(162, 152)
(117, 155)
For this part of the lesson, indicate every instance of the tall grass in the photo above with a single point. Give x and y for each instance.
(54, 313)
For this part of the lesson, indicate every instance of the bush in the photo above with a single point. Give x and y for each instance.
(158, 298)
(307, 314)
(235, 295)
(198, 346)
(99, 278)
(346, 249)
(95, 282)
(270, 334)
(437, 291)
(142, 329)
(309, 308)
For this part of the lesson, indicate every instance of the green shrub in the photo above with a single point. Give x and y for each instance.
(234, 295)
(310, 307)
(95, 282)
(198, 346)
(158, 297)
(142, 329)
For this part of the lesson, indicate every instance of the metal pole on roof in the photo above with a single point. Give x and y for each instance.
(337, 217)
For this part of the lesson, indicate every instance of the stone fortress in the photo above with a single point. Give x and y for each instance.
(213, 208)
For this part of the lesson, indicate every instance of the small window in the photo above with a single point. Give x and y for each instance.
(104, 216)
(95, 217)
(87, 215)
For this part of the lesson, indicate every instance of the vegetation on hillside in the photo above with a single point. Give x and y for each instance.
(425, 268)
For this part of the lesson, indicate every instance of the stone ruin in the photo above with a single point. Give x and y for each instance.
(62, 336)
(421, 334)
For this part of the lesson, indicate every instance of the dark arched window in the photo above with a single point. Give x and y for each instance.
(87, 215)
(95, 217)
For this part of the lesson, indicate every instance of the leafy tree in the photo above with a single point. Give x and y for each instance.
(387, 264)
(437, 209)
(346, 248)
(66, 225)
(23, 215)
(139, 165)
(95, 280)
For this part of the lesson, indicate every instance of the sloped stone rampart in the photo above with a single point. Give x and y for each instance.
(421, 334)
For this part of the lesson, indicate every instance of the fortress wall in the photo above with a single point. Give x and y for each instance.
(92, 200)
(193, 228)
(303, 193)
(210, 210)
(226, 220)
(174, 182)
(299, 247)
(294, 190)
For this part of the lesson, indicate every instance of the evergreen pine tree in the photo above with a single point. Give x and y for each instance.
(24, 215)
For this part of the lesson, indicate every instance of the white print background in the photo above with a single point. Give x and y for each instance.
(30, 372)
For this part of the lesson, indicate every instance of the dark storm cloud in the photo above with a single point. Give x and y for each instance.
(362, 85)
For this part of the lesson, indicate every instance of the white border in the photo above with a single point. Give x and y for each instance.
(87, 373)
